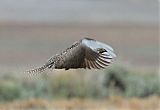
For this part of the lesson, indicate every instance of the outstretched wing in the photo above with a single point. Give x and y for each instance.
(97, 55)
(86, 53)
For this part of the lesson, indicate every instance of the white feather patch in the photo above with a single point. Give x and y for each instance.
(106, 60)
(99, 64)
(96, 44)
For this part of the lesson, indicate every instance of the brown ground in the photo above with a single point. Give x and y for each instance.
(113, 103)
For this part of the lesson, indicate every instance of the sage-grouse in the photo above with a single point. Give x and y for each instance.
(85, 53)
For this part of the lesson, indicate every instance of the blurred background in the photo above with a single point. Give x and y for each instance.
(31, 31)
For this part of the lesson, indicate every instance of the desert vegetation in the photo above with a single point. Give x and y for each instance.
(115, 85)
(33, 30)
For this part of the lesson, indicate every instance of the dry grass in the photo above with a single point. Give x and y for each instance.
(113, 103)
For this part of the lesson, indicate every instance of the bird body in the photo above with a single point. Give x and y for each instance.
(85, 53)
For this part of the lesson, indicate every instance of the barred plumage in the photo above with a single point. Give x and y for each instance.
(85, 53)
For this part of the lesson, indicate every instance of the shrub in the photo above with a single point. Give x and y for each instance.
(9, 90)
(116, 80)
(73, 85)
(35, 88)
(119, 80)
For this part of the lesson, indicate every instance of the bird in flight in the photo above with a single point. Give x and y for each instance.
(85, 53)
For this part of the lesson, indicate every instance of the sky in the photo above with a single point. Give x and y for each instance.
(92, 11)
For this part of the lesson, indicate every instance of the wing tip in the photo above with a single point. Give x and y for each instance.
(87, 38)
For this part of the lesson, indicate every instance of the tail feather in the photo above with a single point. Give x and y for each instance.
(49, 64)
(38, 70)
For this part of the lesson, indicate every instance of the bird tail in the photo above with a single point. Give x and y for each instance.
(38, 70)
(49, 64)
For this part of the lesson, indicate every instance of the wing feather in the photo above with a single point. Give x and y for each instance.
(86, 53)
(88, 65)
(93, 63)
(94, 58)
